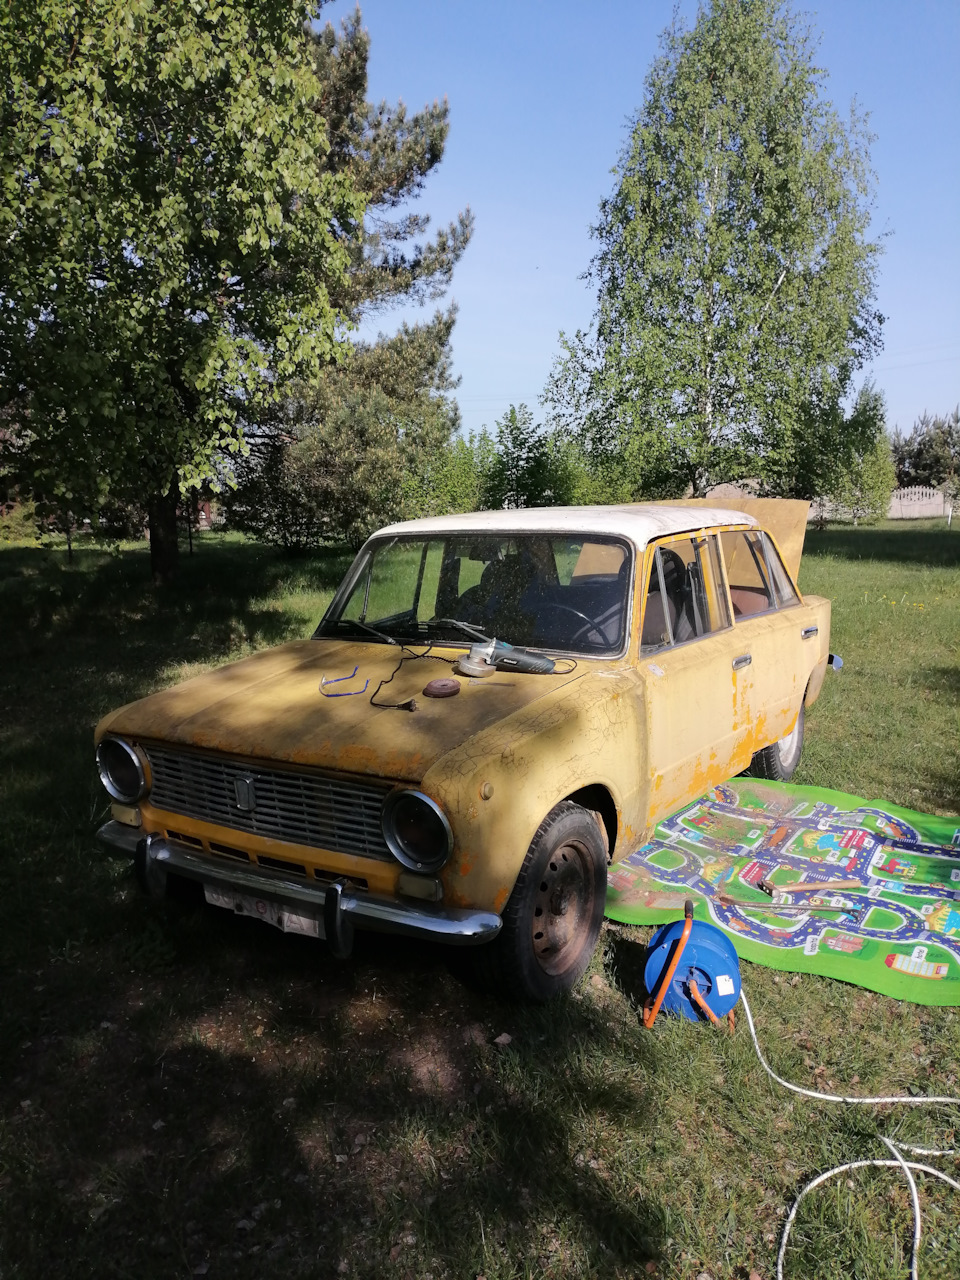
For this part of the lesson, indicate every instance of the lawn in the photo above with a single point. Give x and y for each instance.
(186, 1093)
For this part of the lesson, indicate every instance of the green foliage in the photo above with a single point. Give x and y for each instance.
(735, 278)
(535, 467)
(930, 454)
(862, 490)
(522, 465)
(330, 480)
(579, 480)
(172, 246)
(831, 444)
(455, 478)
(870, 484)
(352, 452)
(125, 520)
(520, 472)
(366, 442)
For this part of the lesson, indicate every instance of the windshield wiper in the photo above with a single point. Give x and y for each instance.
(465, 627)
(365, 626)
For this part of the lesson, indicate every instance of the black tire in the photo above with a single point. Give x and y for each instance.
(552, 919)
(779, 761)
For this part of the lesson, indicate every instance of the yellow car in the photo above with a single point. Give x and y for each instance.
(493, 708)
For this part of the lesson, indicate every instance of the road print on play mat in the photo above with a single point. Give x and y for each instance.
(895, 930)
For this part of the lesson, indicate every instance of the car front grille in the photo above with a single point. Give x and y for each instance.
(302, 808)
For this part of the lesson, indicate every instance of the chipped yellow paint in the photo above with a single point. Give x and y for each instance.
(500, 899)
(574, 736)
(270, 706)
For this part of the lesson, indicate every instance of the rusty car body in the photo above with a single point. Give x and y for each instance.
(406, 770)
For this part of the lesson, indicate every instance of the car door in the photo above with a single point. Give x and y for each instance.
(775, 640)
(685, 665)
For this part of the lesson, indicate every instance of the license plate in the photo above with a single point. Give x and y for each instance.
(245, 904)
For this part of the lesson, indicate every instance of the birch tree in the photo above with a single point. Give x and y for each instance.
(735, 272)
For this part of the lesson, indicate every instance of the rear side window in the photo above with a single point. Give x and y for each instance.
(755, 574)
(783, 587)
(684, 598)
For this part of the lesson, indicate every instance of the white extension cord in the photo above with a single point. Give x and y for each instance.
(908, 1167)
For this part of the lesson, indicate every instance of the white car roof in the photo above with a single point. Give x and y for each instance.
(639, 522)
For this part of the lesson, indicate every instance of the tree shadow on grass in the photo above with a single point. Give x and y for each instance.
(943, 681)
(222, 598)
(79, 640)
(939, 547)
(179, 1084)
(249, 1106)
(943, 772)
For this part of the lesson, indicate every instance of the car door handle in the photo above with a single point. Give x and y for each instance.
(743, 661)
(807, 632)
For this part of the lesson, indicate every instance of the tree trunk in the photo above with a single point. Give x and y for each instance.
(164, 546)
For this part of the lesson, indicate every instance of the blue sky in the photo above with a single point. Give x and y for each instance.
(541, 94)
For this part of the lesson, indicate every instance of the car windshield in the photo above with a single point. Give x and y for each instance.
(566, 593)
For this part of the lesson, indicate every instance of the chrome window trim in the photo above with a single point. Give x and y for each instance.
(345, 590)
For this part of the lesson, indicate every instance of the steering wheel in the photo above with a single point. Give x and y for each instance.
(589, 624)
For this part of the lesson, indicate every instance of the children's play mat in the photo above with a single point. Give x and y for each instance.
(876, 889)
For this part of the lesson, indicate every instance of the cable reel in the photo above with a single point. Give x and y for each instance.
(691, 970)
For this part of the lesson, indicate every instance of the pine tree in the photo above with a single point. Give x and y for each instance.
(930, 454)
(388, 156)
(358, 443)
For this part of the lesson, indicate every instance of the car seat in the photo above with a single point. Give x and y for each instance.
(677, 605)
(495, 603)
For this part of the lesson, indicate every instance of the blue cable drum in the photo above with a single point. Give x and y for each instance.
(709, 958)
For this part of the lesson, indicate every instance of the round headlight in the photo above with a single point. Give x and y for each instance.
(121, 770)
(416, 830)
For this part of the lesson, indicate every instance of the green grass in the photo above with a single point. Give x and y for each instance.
(184, 1090)
(889, 724)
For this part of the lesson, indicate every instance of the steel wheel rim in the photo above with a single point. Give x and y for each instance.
(562, 908)
(789, 744)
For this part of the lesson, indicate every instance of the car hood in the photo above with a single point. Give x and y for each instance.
(270, 706)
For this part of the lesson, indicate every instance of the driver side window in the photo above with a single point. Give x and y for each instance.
(683, 599)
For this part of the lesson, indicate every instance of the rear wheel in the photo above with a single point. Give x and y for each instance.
(552, 919)
(779, 761)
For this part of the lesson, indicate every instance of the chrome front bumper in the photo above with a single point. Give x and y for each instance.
(307, 897)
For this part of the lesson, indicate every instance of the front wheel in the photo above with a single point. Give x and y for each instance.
(779, 761)
(552, 919)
